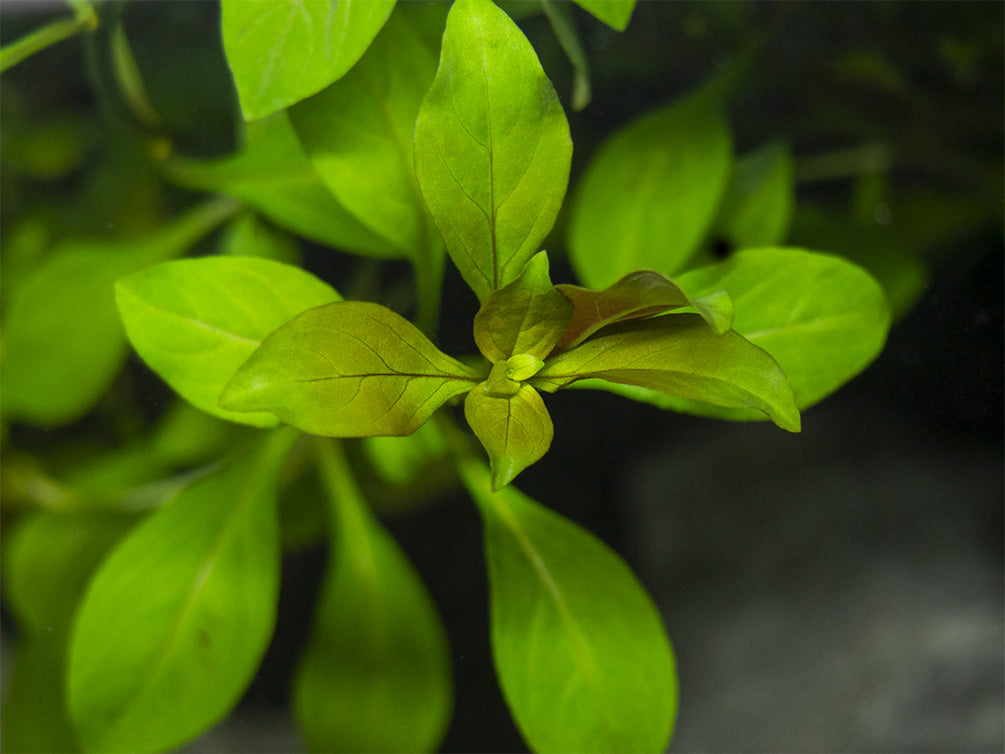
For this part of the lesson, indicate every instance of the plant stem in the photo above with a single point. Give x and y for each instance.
(84, 19)
(350, 509)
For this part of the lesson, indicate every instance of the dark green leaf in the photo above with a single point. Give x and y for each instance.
(195, 321)
(35, 718)
(492, 147)
(614, 13)
(358, 132)
(651, 193)
(822, 318)
(349, 369)
(636, 296)
(579, 647)
(516, 429)
(177, 619)
(526, 316)
(376, 674)
(273, 174)
(564, 26)
(62, 340)
(681, 356)
(757, 207)
(281, 51)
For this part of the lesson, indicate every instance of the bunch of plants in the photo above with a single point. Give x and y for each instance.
(145, 578)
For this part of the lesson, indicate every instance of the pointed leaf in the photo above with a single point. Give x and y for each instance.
(273, 174)
(358, 131)
(349, 369)
(62, 340)
(177, 619)
(579, 647)
(822, 318)
(564, 26)
(492, 147)
(756, 209)
(680, 356)
(649, 196)
(376, 673)
(636, 296)
(516, 430)
(526, 316)
(614, 13)
(281, 51)
(195, 321)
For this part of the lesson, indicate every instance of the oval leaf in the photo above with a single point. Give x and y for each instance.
(195, 321)
(492, 147)
(175, 622)
(376, 674)
(579, 647)
(651, 193)
(822, 318)
(281, 51)
(62, 340)
(349, 369)
(679, 356)
(757, 207)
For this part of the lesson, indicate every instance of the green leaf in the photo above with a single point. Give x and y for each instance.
(196, 321)
(349, 369)
(757, 207)
(492, 147)
(273, 174)
(177, 619)
(579, 647)
(564, 26)
(62, 340)
(680, 356)
(637, 295)
(515, 430)
(614, 13)
(526, 316)
(282, 51)
(251, 236)
(376, 673)
(649, 196)
(35, 718)
(358, 132)
(822, 318)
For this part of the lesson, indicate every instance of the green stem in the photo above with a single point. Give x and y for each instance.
(866, 159)
(350, 509)
(85, 19)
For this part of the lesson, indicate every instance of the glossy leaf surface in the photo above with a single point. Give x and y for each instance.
(281, 51)
(492, 147)
(681, 356)
(650, 194)
(349, 369)
(358, 131)
(62, 340)
(821, 317)
(195, 321)
(636, 296)
(614, 13)
(579, 646)
(376, 673)
(757, 207)
(177, 619)
(273, 174)
(515, 430)
(526, 316)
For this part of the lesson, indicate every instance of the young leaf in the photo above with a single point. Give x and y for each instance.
(492, 147)
(62, 340)
(526, 316)
(651, 193)
(376, 673)
(516, 430)
(358, 131)
(195, 321)
(349, 369)
(282, 51)
(273, 174)
(756, 209)
(822, 318)
(636, 296)
(579, 647)
(176, 621)
(681, 356)
(614, 13)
